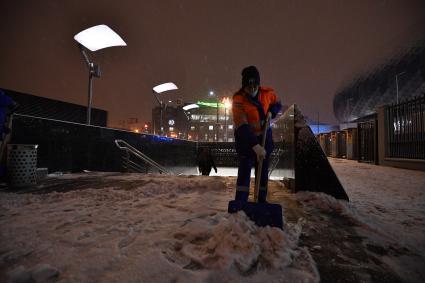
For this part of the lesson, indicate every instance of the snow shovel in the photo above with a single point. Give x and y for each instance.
(263, 214)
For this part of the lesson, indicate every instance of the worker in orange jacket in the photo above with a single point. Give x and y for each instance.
(250, 106)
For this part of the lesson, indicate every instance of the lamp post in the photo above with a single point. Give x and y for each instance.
(185, 109)
(227, 104)
(93, 39)
(157, 90)
(216, 124)
(396, 83)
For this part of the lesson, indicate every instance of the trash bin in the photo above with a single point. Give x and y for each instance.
(22, 164)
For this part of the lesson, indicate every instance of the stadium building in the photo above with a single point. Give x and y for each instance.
(400, 79)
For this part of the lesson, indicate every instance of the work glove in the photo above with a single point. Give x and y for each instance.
(259, 151)
(274, 109)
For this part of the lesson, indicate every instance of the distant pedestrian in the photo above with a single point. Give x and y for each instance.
(206, 162)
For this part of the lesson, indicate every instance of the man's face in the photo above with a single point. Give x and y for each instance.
(251, 88)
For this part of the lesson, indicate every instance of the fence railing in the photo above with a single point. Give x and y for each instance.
(130, 165)
(224, 153)
(406, 129)
(367, 141)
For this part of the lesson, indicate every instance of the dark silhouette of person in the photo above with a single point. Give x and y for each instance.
(206, 162)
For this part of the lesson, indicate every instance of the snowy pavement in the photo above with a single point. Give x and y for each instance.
(145, 228)
(112, 227)
(388, 205)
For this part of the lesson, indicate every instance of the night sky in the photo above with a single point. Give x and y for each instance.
(304, 49)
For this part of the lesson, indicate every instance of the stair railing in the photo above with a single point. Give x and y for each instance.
(131, 151)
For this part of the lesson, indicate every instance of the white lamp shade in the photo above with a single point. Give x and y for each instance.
(190, 106)
(164, 87)
(99, 37)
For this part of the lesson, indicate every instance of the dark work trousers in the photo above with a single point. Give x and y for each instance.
(246, 162)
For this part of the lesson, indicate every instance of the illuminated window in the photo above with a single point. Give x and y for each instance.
(230, 127)
(192, 128)
(171, 129)
(210, 127)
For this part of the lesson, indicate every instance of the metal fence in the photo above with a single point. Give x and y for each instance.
(224, 153)
(325, 143)
(406, 129)
(342, 144)
(72, 147)
(367, 141)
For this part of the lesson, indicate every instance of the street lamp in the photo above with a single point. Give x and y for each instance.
(190, 106)
(188, 115)
(396, 82)
(212, 94)
(157, 90)
(227, 104)
(95, 38)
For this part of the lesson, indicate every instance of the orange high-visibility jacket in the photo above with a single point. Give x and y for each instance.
(246, 116)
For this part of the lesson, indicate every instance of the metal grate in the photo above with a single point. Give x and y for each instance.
(22, 165)
(406, 129)
(367, 140)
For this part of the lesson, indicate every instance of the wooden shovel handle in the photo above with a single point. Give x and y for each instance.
(260, 162)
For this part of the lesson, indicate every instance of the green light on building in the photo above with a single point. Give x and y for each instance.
(210, 104)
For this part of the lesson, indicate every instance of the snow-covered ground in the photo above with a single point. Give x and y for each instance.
(156, 228)
(389, 204)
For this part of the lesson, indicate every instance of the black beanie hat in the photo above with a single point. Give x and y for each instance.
(249, 73)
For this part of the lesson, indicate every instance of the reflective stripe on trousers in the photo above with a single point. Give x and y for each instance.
(244, 177)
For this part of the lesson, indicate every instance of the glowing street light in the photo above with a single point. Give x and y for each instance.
(157, 90)
(226, 102)
(99, 37)
(164, 87)
(93, 39)
(190, 106)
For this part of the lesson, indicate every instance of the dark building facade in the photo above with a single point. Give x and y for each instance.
(400, 79)
(210, 122)
(174, 122)
(37, 106)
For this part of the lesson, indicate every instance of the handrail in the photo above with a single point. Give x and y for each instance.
(274, 159)
(140, 155)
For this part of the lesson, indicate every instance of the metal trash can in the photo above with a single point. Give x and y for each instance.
(22, 164)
